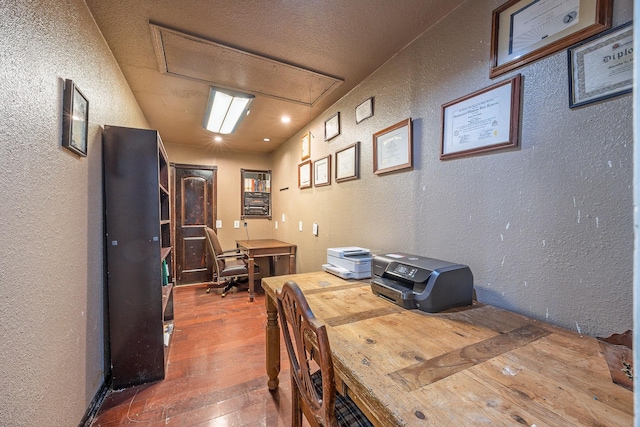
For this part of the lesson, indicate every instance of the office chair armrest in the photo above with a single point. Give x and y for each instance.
(231, 250)
(236, 255)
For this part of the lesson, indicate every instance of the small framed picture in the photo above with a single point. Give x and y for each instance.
(601, 67)
(364, 110)
(305, 146)
(392, 148)
(304, 174)
(322, 171)
(348, 163)
(485, 120)
(75, 119)
(332, 127)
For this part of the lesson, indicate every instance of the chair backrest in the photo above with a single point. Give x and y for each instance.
(214, 249)
(306, 341)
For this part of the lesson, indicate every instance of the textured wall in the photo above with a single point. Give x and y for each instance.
(51, 304)
(546, 228)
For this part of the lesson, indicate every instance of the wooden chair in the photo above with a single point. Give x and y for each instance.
(229, 267)
(313, 393)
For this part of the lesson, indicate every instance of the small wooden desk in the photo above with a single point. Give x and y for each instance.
(258, 248)
(474, 366)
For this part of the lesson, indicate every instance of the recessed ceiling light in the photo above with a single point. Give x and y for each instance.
(286, 119)
(218, 138)
(267, 139)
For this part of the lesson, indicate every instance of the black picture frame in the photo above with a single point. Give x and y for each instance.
(332, 127)
(601, 67)
(75, 119)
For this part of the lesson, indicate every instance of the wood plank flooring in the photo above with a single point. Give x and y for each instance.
(216, 373)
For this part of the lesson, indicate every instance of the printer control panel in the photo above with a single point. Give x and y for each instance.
(406, 271)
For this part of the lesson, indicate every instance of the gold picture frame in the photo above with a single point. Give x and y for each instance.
(305, 146)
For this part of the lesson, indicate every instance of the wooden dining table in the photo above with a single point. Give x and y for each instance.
(470, 366)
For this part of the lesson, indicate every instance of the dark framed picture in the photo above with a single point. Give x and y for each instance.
(485, 120)
(393, 148)
(322, 171)
(348, 163)
(75, 119)
(601, 67)
(332, 127)
(304, 174)
(523, 31)
(364, 110)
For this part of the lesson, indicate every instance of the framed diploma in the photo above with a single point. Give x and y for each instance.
(392, 148)
(601, 67)
(322, 171)
(483, 121)
(348, 163)
(523, 31)
(364, 110)
(332, 127)
(304, 174)
(75, 119)
(305, 146)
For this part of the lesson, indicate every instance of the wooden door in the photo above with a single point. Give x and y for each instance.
(195, 207)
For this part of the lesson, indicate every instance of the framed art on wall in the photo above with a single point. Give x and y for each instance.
(392, 148)
(348, 163)
(527, 30)
(332, 127)
(305, 146)
(75, 119)
(483, 121)
(601, 67)
(364, 110)
(322, 171)
(304, 174)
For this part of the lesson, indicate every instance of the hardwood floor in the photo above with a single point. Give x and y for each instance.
(216, 372)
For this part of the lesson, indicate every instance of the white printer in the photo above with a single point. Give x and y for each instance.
(349, 262)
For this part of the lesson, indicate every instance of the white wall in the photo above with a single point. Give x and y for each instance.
(547, 228)
(51, 234)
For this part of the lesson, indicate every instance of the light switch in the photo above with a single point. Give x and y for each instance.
(218, 223)
(236, 224)
(300, 226)
(315, 229)
(283, 218)
(276, 225)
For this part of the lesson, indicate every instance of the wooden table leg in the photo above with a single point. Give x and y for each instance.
(251, 267)
(272, 343)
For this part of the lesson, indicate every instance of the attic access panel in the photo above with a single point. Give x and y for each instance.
(187, 56)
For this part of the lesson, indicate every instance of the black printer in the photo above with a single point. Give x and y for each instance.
(413, 281)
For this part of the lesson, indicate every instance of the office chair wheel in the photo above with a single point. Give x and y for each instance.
(208, 290)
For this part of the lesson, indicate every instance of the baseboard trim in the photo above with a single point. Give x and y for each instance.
(95, 404)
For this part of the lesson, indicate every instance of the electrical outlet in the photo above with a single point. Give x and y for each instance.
(315, 229)
(218, 223)
(236, 224)
(300, 226)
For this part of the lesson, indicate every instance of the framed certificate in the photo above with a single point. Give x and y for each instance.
(523, 31)
(392, 148)
(305, 146)
(485, 120)
(322, 171)
(304, 174)
(364, 110)
(601, 67)
(348, 163)
(332, 127)
(75, 119)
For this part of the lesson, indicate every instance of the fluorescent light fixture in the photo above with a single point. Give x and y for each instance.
(225, 109)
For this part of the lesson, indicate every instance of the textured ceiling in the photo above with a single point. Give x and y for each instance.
(321, 48)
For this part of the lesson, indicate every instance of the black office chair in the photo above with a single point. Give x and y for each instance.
(229, 267)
